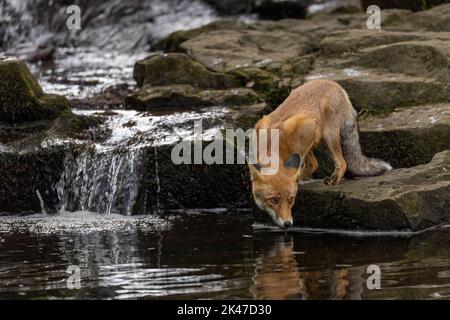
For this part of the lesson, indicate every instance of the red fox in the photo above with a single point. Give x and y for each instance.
(319, 110)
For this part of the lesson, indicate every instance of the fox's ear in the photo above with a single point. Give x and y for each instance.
(254, 170)
(294, 161)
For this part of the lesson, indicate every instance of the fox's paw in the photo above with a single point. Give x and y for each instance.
(331, 181)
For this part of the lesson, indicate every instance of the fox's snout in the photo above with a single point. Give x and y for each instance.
(284, 222)
(281, 219)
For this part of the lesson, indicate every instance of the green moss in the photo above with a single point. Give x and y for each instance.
(69, 125)
(410, 203)
(178, 68)
(268, 85)
(21, 97)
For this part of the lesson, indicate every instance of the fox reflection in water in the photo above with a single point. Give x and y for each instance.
(279, 275)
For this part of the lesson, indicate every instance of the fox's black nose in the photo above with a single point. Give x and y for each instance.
(287, 224)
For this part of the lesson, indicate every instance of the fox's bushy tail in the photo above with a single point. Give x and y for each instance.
(357, 163)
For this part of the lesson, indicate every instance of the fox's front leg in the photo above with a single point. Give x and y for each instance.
(311, 166)
(340, 165)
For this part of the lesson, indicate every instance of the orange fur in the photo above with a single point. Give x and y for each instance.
(319, 110)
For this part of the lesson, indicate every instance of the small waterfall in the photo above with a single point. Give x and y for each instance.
(41, 202)
(158, 182)
(107, 177)
(100, 181)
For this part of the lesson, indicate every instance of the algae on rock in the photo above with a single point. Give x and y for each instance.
(21, 97)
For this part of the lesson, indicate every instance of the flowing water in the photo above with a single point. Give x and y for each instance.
(105, 177)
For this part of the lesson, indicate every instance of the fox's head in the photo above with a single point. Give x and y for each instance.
(275, 194)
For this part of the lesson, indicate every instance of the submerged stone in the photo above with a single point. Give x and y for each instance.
(21, 97)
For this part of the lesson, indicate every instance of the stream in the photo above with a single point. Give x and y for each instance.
(211, 256)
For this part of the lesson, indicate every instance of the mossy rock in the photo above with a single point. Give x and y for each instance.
(178, 68)
(267, 84)
(21, 97)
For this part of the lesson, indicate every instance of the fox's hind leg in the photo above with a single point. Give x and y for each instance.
(333, 143)
(311, 166)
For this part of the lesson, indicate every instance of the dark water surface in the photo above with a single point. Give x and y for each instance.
(209, 257)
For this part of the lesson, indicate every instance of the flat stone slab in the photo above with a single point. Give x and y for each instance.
(420, 117)
(404, 199)
(407, 137)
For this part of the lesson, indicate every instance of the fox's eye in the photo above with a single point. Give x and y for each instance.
(274, 200)
(291, 200)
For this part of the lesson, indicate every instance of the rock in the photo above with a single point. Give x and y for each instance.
(267, 84)
(192, 186)
(387, 69)
(316, 27)
(149, 97)
(175, 80)
(178, 68)
(408, 136)
(21, 97)
(375, 92)
(414, 5)
(436, 19)
(430, 58)
(270, 57)
(412, 199)
(392, 17)
(22, 174)
(344, 42)
(226, 50)
(383, 93)
(173, 41)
